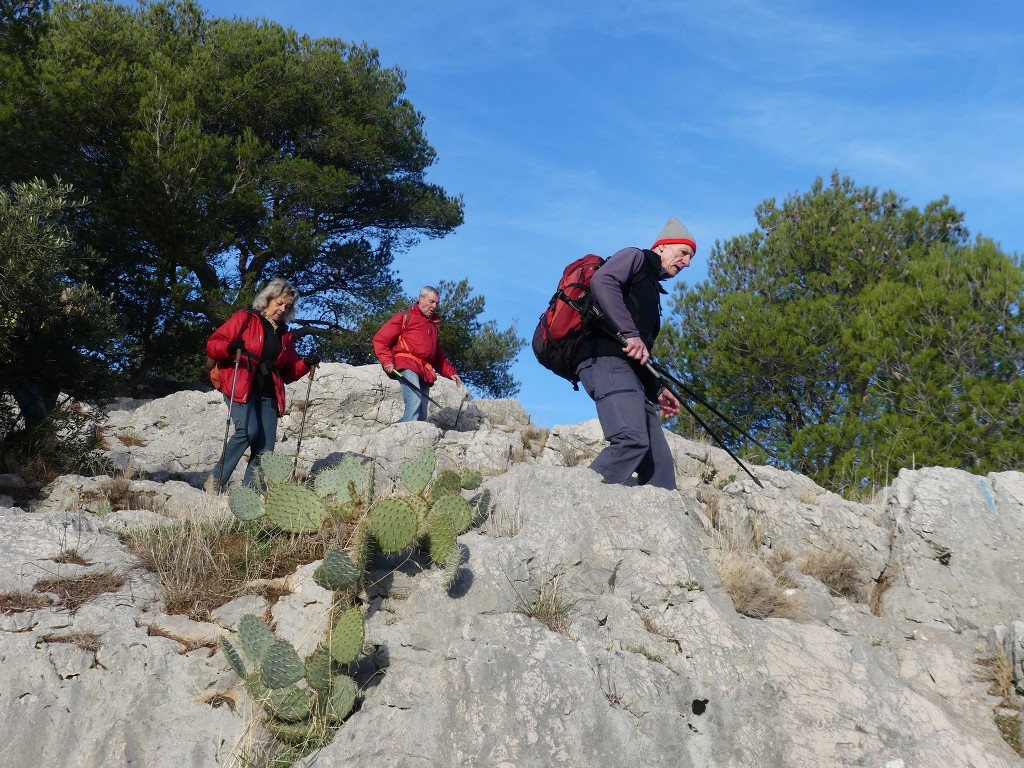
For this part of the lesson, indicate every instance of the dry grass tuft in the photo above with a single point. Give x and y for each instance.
(131, 439)
(998, 670)
(203, 562)
(877, 589)
(535, 438)
(837, 569)
(76, 591)
(754, 590)
(551, 604)
(119, 492)
(20, 602)
(87, 641)
(71, 557)
(712, 506)
(502, 522)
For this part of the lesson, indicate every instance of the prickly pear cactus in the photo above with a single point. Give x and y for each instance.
(446, 484)
(393, 524)
(442, 535)
(471, 479)
(319, 670)
(417, 473)
(234, 657)
(245, 503)
(345, 639)
(281, 665)
(295, 508)
(451, 567)
(341, 700)
(337, 572)
(347, 483)
(256, 638)
(275, 468)
(457, 508)
(289, 704)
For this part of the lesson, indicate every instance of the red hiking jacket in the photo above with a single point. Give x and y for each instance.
(412, 345)
(289, 366)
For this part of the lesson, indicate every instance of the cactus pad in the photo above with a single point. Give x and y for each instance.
(471, 479)
(393, 524)
(446, 484)
(300, 734)
(319, 670)
(346, 637)
(275, 467)
(289, 705)
(348, 482)
(337, 571)
(341, 700)
(245, 503)
(256, 638)
(417, 473)
(422, 508)
(295, 508)
(281, 665)
(451, 567)
(234, 657)
(457, 508)
(442, 536)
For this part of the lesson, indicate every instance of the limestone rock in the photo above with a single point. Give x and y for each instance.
(589, 624)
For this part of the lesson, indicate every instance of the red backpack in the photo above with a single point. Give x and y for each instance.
(563, 325)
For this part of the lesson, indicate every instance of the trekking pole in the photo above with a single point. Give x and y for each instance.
(663, 375)
(396, 375)
(302, 424)
(663, 378)
(703, 424)
(227, 422)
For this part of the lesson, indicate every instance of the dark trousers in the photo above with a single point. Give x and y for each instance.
(255, 425)
(631, 425)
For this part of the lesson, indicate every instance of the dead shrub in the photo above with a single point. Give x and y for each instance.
(837, 569)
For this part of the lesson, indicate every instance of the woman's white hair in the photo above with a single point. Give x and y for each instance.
(271, 291)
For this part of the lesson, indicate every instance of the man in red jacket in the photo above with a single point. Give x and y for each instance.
(409, 343)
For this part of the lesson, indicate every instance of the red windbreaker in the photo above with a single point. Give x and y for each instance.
(289, 366)
(413, 345)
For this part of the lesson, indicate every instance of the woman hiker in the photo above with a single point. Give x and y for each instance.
(267, 362)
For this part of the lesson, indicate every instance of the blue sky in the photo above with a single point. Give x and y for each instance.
(577, 127)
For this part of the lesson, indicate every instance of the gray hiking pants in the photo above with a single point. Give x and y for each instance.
(636, 442)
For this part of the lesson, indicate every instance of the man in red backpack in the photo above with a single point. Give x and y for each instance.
(627, 288)
(409, 343)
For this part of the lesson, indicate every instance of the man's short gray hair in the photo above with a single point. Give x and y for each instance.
(427, 289)
(271, 291)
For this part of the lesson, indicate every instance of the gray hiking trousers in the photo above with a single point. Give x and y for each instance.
(636, 442)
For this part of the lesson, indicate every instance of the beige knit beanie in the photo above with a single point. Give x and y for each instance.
(675, 232)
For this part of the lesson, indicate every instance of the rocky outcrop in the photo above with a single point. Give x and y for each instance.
(589, 626)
